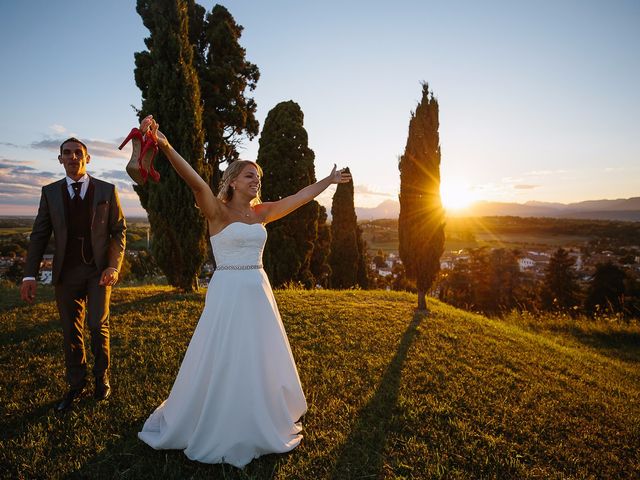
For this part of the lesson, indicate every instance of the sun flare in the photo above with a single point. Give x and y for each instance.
(456, 194)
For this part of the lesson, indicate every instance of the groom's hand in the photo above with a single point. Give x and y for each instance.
(109, 277)
(28, 290)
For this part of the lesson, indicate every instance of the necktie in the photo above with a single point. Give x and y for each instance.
(76, 190)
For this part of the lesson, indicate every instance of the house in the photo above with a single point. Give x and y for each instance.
(46, 276)
(526, 263)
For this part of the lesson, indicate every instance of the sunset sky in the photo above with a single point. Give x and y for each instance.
(539, 100)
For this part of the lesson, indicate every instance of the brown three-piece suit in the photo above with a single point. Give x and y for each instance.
(90, 235)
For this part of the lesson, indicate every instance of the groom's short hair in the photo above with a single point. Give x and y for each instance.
(73, 139)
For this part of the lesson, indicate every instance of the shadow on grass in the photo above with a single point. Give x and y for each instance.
(10, 297)
(130, 458)
(29, 331)
(121, 307)
(620, 345)
(361, 455)
(16, 425)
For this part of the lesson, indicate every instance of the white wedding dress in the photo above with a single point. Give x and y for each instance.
(237, 394)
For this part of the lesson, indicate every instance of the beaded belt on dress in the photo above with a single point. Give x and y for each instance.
(239, 267)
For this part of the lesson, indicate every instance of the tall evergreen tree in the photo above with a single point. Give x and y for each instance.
(320, 268)
(225, 77)
(287, 162)
(170, 91)
(421, 221)
(560, 290)
(607, 289)
(344, 256)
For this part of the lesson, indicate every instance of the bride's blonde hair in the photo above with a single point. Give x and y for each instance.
(225, 192)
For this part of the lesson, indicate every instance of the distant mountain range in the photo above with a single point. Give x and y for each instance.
(626, 209)
(387, 209)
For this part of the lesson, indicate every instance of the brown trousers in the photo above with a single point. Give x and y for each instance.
(78, 295)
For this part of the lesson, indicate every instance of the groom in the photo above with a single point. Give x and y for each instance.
(86, 219)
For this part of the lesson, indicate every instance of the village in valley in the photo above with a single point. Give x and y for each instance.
(533, 243)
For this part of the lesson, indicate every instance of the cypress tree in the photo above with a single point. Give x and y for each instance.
(287, 163)
(225, 75)
(320, 258)
(170, 91)
(421, 221)
(344, 258)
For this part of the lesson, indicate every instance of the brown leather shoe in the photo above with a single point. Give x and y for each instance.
(68, 400)
(103, 391)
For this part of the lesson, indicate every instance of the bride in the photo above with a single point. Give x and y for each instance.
(237, 395)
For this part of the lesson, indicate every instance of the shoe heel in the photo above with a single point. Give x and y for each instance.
(134, 133)
(134, 167)
(149, 151)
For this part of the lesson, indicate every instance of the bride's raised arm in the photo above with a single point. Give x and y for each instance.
(207, 202)
(272, 211)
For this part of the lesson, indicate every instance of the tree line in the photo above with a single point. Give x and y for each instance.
(195, 79)
(490, 282)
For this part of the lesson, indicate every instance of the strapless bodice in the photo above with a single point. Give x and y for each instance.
(239, 244)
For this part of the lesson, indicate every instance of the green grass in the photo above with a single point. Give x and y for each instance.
(391, 394)
(522, 240)
(491, 239)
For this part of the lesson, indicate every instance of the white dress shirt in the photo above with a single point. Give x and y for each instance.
(83, 190)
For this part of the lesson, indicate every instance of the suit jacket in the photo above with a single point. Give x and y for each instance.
(108, 228)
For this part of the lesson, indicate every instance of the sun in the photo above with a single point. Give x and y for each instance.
(456, 194)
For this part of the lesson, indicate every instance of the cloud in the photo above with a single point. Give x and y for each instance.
(9, 144)
(8, 163)
(544, 173)
(106, 149)
(47, 145)
(511, 179)
(9, 167)
(121, 180)
(113, 175)
(525, 187)
(96, 148)
(20, 184)
(20, 173)
(57, 128)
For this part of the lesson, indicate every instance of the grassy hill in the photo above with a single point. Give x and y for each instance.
(391, 394)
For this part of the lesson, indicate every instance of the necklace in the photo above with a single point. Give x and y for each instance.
(246, 215)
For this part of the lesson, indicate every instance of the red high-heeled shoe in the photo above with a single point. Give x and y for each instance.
(134, 167)
(148, 153)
